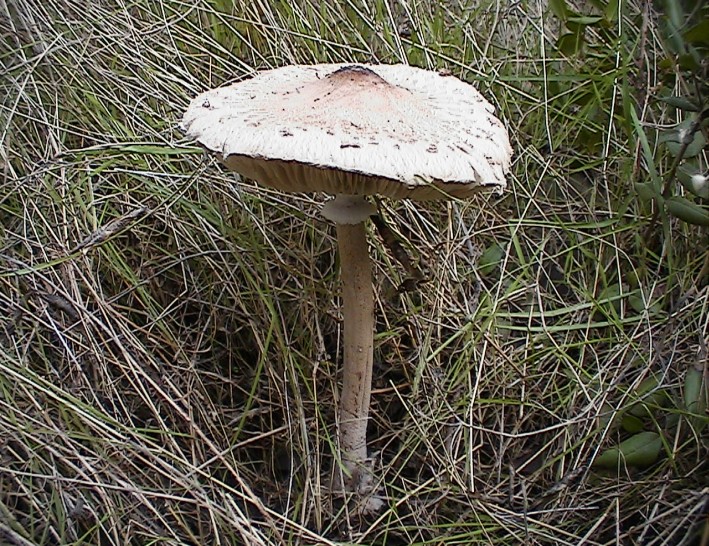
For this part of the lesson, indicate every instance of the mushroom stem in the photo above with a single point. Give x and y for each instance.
(358, 314)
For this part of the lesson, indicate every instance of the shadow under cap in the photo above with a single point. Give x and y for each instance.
(293, 176)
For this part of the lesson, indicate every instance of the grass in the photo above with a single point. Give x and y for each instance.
(170, 337)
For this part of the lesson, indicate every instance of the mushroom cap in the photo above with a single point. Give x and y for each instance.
(392, 130)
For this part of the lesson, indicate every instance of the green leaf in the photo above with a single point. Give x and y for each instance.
(584, 20)
(695, 391)
(695, 398)
(645, 146)
(693, 181)
(696, 146)
(636, 302)
(687, 211)
(571, 43)
(667, 63)
(673, 140)
(698, 34)
(647, 191)
(607, 416)
(681, 103)
(611, 10)
(639, 305)
(673, 21)
(559, 8)
(649, 397)
(609, 298)
(490, 259)
(640, 450)
(687, 62)
(632, 424)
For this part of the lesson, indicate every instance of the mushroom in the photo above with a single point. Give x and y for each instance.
(351, 131)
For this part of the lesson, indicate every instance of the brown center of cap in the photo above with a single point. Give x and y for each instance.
(356, 74)
(351, 97)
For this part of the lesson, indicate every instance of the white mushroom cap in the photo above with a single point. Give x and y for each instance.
(392, 130)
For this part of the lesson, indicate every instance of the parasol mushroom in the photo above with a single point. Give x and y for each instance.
(352, 131)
